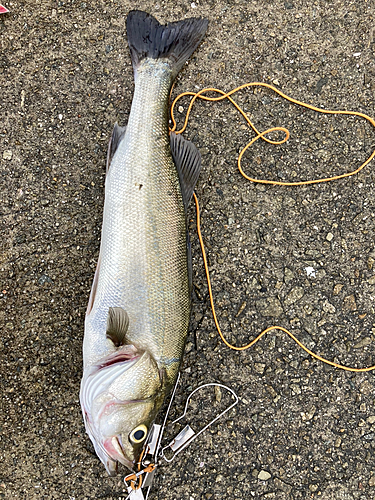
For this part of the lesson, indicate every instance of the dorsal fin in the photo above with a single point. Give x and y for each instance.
(117, 325)
(117, 134)
(187, 159)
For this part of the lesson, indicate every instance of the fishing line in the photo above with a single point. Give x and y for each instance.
(262, 135)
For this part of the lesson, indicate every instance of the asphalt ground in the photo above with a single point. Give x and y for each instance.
(301, 429)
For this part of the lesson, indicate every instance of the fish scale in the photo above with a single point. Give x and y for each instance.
(143, 251)
(138, 315)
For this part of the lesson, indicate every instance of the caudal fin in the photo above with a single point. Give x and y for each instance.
(174, 41)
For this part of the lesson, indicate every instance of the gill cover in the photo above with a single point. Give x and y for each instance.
(120, 396)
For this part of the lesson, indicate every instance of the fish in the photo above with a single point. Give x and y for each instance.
(138, 313)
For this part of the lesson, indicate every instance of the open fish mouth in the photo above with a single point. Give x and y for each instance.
(114, 449)
(109, 450)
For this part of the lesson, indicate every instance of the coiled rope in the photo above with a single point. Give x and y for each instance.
(262, 135)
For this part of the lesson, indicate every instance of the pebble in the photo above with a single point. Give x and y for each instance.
(264, 475)
(7, 154)
(270, 307)
(296, 388)
(272, 391)
(371, 419)
(329, 237)
(294, 296)
(217, 393)
(371, 481)
(328, 307)
(349, 303)
(259, 367)
(366, 388)
(337, 289)
(363, 343)
(180, 109)
(371, 281)
(310, 271)
(282, 486)
(288, 275)
(308, 415)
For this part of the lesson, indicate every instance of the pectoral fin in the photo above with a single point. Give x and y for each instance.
(117, 325)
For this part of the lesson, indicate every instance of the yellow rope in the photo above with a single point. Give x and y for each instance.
(262, 135)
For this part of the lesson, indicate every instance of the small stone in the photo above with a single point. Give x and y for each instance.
(313, 487)
(366, 388)
(7, 154)
(217, 393)
(363, 343)
(288, 275)
(370, 262)
(270, 307)
(308, 415)
(296, 388)
(371, 419)
(264, 475)
(180, 109)
(337, 288)
(329, 237)
(255, 473)
(349, 303)
(371, 481)
(259, 367)
(219, 478)
(276, 81)
(328, 307)
(338, 442)
(310, 271)
(294, 296)
(371, 281)
(272, 391)
(282, 486)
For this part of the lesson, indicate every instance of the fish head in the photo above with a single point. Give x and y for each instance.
(120, 398)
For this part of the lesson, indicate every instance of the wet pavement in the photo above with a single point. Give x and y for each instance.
(299, 257)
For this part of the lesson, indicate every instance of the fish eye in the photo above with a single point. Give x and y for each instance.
(138, 434)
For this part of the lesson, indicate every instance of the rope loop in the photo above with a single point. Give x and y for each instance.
(262, 135)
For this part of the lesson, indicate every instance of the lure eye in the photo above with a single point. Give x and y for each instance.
(138, 434)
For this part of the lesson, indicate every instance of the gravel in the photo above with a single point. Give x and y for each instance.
(301, 429)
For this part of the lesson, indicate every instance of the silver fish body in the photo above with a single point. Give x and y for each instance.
(139, 309)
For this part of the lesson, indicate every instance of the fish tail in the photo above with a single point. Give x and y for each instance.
(174, 42)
